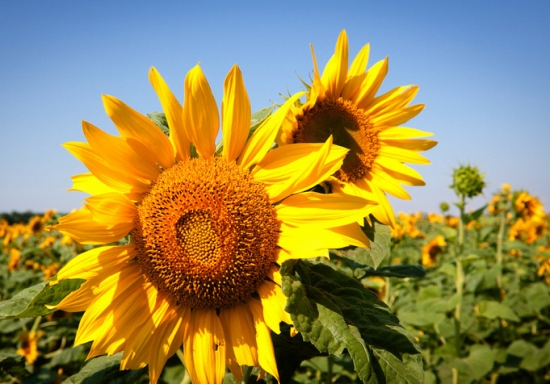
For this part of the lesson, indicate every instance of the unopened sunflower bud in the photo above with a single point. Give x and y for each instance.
(468, 181)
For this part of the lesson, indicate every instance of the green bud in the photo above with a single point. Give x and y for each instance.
(468, 181)
(444, 207)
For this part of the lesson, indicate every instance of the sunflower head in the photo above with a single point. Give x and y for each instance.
(208, 232)
(342, 103)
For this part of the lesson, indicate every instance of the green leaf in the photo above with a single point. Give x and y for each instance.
(493, 310)
(335, 312)
(396, 371)
(290, 352)
(106, 369)
(14, 365)
(480, 361)
(160, 121)
(259, 116)
(401, 270)
(380, 241)
(474, 215)
(31, 302)
(536, 296)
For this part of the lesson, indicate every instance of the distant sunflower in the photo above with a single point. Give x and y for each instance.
(208, 233)
(343, 103)
(29, 345)
(432, 250)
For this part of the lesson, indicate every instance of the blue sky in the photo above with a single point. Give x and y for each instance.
(482, 68)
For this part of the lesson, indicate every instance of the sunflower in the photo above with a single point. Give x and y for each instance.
(208, 233)
(343, 103)
(431, 250)
(29, 345)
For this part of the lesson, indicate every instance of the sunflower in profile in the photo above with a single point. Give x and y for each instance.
(342, 103)
(208, 232)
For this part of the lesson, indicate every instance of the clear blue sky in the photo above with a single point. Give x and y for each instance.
(483, 70)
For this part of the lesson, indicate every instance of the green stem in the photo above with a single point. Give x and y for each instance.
(329, 371)
(459, 283)
(246, 375)
(500, 237)
(461, 206)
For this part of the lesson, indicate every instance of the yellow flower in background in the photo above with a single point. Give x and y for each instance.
(208, 233)
(47, 242)
(4, 227)
(432, 250)
(49, 270)
(434, 218)
(529, 207)
(342, 103)
(29, 345)
(15, 257)
(36, 225)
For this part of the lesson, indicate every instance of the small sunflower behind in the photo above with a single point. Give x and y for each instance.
(342, 103)
(432, 250)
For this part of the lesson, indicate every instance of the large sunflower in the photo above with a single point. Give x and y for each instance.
(342, 103)
(207, 233)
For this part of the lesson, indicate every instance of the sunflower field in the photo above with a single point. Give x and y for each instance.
(273, 254)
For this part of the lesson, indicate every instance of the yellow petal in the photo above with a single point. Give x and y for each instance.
(403, 155)
(317, 88)
(356, 74)
(383, 211)
(359, 64)
(273, 304)
(88, 183)
(395, 99)
(118, 292)
(76, 301)
(266, 354)
(118, 153)
(318, 210)
(413, 145)
(122, 321)
(200, 113)
(204, 347)
(136, 352)
(104, 172)
(297, 241)
(166, 341)
(402, 133)
(238, 327)
(371, 83)
(147, 139)
(388, 184)
(173, 112)
(292, 248)
(112, 209)
(295, 168)
(81, 226)
(262, 139)
(397, 116)
(399, 171)
(235, 114)
(102, 260)
(336, 71)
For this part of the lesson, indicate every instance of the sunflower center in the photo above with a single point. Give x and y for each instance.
(207, 233)
(350, 128)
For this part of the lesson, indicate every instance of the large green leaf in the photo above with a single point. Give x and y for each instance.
(380, 241)
(335, 312)
(106, 369)
(396, 371)
(400, 270)
(14, 365)
(493, 310)
(31, 302)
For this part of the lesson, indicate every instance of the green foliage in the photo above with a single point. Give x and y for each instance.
(335, 313)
